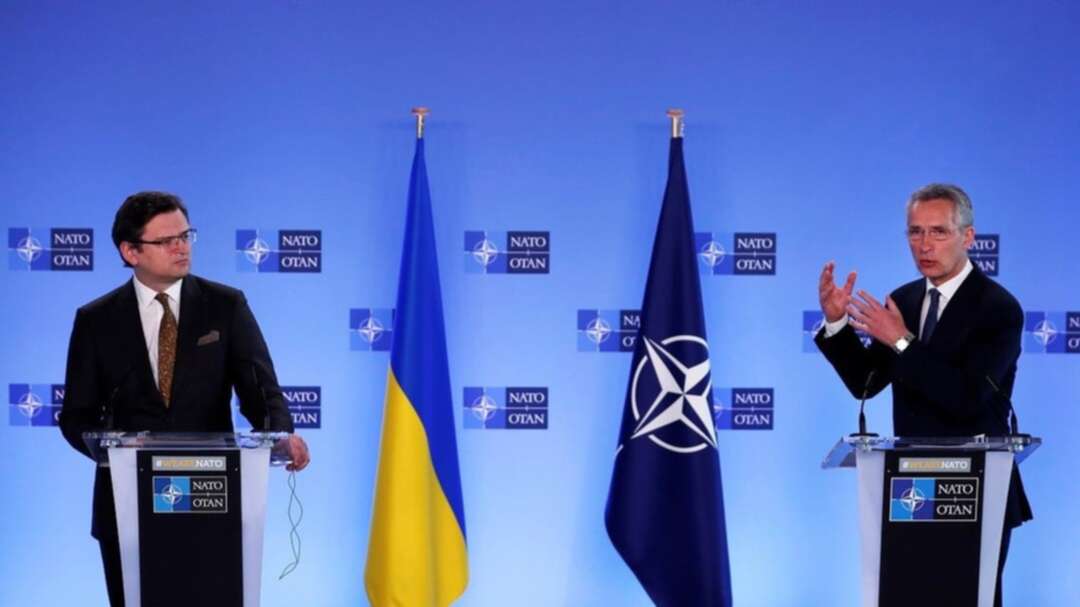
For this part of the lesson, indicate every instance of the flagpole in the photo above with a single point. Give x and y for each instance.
(676, 116)
(420, 112)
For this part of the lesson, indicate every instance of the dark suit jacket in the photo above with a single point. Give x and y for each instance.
(109, 374)
(940, 389)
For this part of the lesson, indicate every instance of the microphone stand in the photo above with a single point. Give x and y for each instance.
(862, 433)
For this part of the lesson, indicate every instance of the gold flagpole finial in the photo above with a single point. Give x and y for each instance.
(420, 112)
(676, 116)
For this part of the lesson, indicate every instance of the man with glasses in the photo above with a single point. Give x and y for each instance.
(163, 353)
(947, 342)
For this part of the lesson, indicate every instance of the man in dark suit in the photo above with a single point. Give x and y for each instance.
(163, 353)
(968, 327)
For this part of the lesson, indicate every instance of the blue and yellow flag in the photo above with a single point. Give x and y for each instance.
(416, 551)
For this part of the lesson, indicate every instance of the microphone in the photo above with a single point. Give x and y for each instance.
(110, 403)
(1014, 428)
(862, 406)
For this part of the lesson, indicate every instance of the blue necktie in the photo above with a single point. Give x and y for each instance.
(931, 317)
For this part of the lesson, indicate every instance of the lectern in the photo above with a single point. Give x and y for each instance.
(931, 512)
(190, 511)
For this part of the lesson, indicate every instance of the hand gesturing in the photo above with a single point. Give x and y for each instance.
(834, 299)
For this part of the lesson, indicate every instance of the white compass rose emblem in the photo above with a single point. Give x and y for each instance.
(1045, 332)
(712, 253)
(256, 251)
(485, 252)
(483, 408)
(172, 494)
(912, 499)
(29, 249)
(682, 397)
(598, 330)
(370, 330)
(29, 404)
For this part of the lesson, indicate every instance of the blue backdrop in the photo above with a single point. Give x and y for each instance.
(807, 121)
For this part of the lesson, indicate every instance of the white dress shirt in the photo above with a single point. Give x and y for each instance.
(947, 290)
(150, 315)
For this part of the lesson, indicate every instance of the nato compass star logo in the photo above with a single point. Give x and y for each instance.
(50, 249)
(507, 252)
(1045, 332)
(1052, 332)
(504, 408)
(598, 330)
(29, 404)
(483, 408)
(256, 251)
(29, 249)
(172, 494)
(485, 252)
(912, 500)
(291, 251)
(371, 329)
(669, 396)
(712, 253)
(34, 404)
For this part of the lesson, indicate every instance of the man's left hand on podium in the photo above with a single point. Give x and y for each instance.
(297, 450)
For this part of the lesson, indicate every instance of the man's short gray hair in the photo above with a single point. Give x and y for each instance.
(963, 215)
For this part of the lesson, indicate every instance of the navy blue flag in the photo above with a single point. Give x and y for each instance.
(665, 509)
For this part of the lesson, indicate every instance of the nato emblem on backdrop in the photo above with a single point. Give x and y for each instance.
(1052, 332)
(607, 330)
(498, 408)
(743, 408)
(518, 252)
(984, 253)
(51, 249)
(304, 403)
(739, 253)
(287, 251)
(35, 404)
(371, 329)
(812, 322)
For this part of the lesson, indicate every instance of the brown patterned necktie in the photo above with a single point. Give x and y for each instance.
(166, 348)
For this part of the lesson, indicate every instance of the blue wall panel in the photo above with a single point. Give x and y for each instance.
(812, 122)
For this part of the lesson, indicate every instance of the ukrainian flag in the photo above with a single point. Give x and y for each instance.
(416, 552)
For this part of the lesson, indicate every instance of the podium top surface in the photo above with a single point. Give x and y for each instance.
(99, 443)
(842, 455)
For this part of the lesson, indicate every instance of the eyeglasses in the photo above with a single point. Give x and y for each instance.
(915, 233)
(187, 237)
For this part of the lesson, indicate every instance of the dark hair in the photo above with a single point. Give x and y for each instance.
(137, 210)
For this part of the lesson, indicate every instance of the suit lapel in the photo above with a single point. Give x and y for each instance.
(910, 303)
(132, 341)
(955, 318)
(192, 321)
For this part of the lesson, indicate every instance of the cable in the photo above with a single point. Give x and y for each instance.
(294, 535)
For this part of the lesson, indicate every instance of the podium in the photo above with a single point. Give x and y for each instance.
(190, 512)
(931, 513)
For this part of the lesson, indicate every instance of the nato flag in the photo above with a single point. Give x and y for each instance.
(665, 509)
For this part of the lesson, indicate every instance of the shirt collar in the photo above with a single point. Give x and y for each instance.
(949, 287)
(146, 295)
